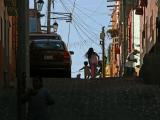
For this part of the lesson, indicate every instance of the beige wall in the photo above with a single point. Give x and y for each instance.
(7, 65)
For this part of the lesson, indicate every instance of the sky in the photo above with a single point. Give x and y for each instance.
(88, 18)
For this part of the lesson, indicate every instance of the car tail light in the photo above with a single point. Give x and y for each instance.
(66, 55)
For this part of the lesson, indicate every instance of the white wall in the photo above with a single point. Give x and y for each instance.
(136, 35)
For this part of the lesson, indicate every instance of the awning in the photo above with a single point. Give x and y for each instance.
(12, 11)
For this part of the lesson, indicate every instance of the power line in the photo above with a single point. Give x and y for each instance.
(65, 7)
(70, 23)
(89, 17)
(84, 24)
(67, 10)
(77, 25)
(85, 15)
(86, 34)
(78, 33)
(97, 7)
(81, 26)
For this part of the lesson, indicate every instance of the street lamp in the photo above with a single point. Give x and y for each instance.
(40, 5)
(55, 26)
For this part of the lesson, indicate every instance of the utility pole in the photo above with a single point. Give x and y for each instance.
(102, 37)
(22, 8)
(35, 4)
(49, 16)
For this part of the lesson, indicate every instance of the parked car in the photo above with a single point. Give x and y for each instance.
(35, 36)
(50, 58)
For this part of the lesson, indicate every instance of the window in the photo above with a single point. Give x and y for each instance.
(56, 37)
(47, 45)
(32, 24)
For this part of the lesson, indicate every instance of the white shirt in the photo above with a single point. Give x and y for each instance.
(130, 63)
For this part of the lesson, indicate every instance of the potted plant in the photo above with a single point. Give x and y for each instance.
(113, 32)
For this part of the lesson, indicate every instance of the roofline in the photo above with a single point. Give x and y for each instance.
(43, 34)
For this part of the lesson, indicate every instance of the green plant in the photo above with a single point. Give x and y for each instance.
(113, 32)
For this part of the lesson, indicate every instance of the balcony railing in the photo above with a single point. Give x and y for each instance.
(113, 32)
(10, 3)
(144, 3)
(11, 7)
(12, 11)
(139, 11)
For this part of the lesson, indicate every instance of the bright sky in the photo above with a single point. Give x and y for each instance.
(89, 16)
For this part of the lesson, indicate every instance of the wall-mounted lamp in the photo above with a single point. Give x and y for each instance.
(40, 5)
(55, 26)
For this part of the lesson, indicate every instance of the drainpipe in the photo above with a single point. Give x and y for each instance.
(21, 62)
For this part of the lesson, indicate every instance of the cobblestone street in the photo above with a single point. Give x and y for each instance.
(104, 100)
(8, 104)
(115, 99)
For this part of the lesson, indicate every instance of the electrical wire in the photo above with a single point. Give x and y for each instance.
(70, 23)
(78, 33)
(85, 26)
(67, 10)
(82, 29)
(94, 11)
(64, 7)
(89, 17)
(81, 26)
(86, 34)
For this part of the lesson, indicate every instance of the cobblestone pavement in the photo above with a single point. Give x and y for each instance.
(115, 99)
(8, 104)
(103, 100)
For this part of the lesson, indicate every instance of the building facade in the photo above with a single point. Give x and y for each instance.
(8, 38)
(136, 25)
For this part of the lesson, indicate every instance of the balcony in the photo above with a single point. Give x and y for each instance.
(12, 11)
(139, 11)
(113, 32)
(132, 3)
(11, 7)
(144, 3)
(9, 3)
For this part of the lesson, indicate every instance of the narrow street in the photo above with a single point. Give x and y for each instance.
(100, 99)
(74, 39)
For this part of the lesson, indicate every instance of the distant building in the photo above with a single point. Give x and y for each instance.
(34, 21)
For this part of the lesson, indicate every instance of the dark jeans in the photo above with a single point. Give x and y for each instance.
(129, 71)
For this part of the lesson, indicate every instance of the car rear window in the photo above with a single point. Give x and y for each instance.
(45, 37)
(56, 45)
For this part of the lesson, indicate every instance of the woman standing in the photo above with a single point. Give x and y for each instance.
(93, 59)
